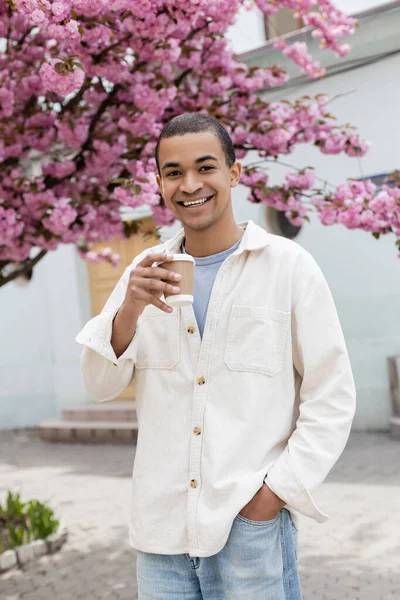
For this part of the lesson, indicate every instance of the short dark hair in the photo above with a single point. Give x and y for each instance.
(195, 123)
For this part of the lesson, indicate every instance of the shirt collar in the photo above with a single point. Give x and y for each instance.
(254, 238)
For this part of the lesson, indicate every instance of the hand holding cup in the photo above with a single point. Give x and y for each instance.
(147, 283)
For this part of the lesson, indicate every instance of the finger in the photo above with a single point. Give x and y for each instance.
(156, 284)
(154, 258)
(157, 272)
(160, 304)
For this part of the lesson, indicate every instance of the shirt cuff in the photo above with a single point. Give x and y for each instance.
(131, 351)
(97, 335)
(281, 480)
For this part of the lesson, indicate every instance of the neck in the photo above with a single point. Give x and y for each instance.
(216, 238)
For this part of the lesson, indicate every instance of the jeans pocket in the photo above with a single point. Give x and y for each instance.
(259, 523)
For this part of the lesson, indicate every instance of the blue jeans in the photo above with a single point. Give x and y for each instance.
(258, 562)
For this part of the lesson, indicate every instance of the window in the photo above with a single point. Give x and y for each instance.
(278, 224)
(281, 23)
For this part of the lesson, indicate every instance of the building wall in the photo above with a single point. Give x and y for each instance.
(363, 273)
(357, 6)
(39, 359)
(248, 30)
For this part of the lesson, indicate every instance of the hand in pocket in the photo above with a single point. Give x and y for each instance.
(264, 506)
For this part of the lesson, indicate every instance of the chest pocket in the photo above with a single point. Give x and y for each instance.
(256, 339)
(159, 339)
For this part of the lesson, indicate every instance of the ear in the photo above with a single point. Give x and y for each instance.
(236, 170)
(159, 183)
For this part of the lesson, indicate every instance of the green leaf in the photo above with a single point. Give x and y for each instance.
(60, 68)
(14, 506)
(376, 235)
(41, 519)
(119, 181)
(22, 522)
(130, 227)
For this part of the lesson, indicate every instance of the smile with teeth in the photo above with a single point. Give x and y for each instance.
(198, 202)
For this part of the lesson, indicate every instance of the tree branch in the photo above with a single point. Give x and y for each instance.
(51, 181)
(77, 98)
(97, 57)
(78, 160)
(181, 77)
(191, 35)
(25, 267)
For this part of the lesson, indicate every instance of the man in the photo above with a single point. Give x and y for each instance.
(244, 401)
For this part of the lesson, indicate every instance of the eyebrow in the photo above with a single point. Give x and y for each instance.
(206, 157)
(199, 160)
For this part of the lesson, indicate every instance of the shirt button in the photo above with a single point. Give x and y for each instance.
(193, 483)
(191, 329)
(197, 430)
(201, 381)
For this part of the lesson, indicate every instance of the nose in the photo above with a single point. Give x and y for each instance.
(190, 184)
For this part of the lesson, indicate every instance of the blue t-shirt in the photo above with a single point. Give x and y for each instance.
(205, 271)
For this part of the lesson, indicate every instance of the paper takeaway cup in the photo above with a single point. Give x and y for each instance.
(184, 265)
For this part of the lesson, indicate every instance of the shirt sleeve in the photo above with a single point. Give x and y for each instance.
(106, 376)
(327, 399)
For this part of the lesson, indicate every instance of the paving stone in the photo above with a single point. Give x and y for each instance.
(39, 548)
(8, 559)
(25, 553)
(354, 556)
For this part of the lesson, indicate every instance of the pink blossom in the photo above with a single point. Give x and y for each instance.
(93, 129)
(60, 84)
(302, 180)
(37, 16)
(106, 252)
(115, 259)
(327, 215)
(60, 10)
(92, 256)
(60, 169)
(162, 216)
(61, 217)
(251, 177)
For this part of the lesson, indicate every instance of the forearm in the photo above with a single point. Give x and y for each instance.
(123, 331)
(326, 399)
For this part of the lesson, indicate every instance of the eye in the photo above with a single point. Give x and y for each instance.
(173, 173)
(207, 167)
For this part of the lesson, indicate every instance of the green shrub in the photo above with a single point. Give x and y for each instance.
(22, 522)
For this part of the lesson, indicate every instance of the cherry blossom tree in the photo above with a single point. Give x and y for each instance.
(87, 85)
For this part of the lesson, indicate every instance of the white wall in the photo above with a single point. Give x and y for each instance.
(356, 6)
(248, 31)
(363, 273)
(39, 359)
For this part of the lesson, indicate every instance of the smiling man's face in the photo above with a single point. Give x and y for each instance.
(195, 180)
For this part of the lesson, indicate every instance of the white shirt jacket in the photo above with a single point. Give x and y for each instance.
(266, 395)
